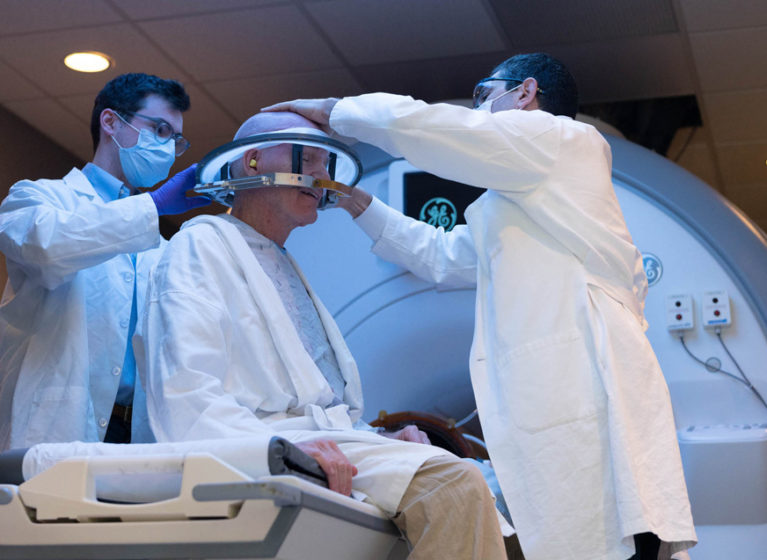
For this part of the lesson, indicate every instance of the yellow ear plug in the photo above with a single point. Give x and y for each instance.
(253, 163)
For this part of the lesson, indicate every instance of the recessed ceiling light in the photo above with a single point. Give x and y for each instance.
(87, 61)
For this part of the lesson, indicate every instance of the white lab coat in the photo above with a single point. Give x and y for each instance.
(573, 404)
(222, 359)
(66, 308)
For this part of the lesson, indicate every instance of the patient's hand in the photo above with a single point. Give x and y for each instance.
(409, 433)
(332, 460)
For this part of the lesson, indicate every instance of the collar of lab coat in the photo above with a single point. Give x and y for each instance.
(78, 182)
(306, 377)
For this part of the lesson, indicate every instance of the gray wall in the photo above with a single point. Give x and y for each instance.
(25, 153)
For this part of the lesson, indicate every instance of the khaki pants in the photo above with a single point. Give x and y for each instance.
(448, 512)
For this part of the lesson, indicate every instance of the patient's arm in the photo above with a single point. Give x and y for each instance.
(409, 433)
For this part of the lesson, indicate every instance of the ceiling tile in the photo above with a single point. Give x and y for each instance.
(371, 31)
(555, 23)
(633, 68)
(24, 16)
(751, 199)
(206, 120)
(57, 123)
(739, 116)
(743, 163)
(79, 105)
(152, 9)
(245, 97)
(431, 80)
(732, 59)
(257, 42)
(761, 221)
(39, 57)
(200, 148)
(13, 86)
(708, 15)
(690, 149)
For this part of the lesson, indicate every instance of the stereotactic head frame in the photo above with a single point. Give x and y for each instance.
(344, 167)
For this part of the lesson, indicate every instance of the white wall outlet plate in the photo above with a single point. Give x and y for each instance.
(715, 309)
(679, 312)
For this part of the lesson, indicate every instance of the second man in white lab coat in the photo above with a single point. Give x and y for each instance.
(79, 250)
(574, 407)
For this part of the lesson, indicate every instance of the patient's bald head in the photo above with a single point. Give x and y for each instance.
(270, 122)
(261, 123)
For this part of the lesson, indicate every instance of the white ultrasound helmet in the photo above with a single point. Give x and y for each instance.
(344, 167)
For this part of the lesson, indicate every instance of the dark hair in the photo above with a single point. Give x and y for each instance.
(560, 95)
(126, 94)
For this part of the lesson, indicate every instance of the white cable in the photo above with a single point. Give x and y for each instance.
(468, 418)
(475, 439)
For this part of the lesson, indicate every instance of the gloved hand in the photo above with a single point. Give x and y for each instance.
(171, 197)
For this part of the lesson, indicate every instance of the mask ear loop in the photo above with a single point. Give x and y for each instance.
(298, 158)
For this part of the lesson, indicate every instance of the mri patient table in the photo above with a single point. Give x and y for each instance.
(184, 505)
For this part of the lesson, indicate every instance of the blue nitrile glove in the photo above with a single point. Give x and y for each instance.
(171, 197)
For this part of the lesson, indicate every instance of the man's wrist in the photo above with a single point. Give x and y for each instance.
(357, 203)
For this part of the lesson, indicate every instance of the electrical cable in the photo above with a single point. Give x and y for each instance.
(706, 364)
(742, 373)
(469, 417)
(712, 369)
(475, 439)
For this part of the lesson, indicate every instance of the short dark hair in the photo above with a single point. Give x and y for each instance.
(560, 95)
(126, 94)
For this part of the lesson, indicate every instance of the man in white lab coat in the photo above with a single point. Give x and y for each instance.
(78, 251)
(236, 343)
(574, 407)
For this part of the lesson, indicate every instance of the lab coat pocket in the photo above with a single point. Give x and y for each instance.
(550, 381)
(52, 414)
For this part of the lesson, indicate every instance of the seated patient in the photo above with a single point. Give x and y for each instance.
(234, 342)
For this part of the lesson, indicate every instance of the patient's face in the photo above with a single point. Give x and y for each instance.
(280, 159)
(297, 206)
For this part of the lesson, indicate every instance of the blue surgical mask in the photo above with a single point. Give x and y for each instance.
(148, 162)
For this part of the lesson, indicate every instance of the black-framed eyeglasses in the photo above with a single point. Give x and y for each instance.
(163, 131)
(481, 91)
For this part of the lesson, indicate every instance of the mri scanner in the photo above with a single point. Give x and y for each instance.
(411, 340)
(707, 308)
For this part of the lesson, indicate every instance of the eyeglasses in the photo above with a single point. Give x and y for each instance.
(481, 91)
(163, 131)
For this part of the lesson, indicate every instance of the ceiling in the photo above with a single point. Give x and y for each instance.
(236, 56)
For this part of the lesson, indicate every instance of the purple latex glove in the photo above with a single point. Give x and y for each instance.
(171, 197)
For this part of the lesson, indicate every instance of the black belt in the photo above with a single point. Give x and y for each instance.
(123, 413)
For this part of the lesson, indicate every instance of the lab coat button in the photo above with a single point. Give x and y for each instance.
(103, 422)
(128, 276)
(116, 370)
(124, 323)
